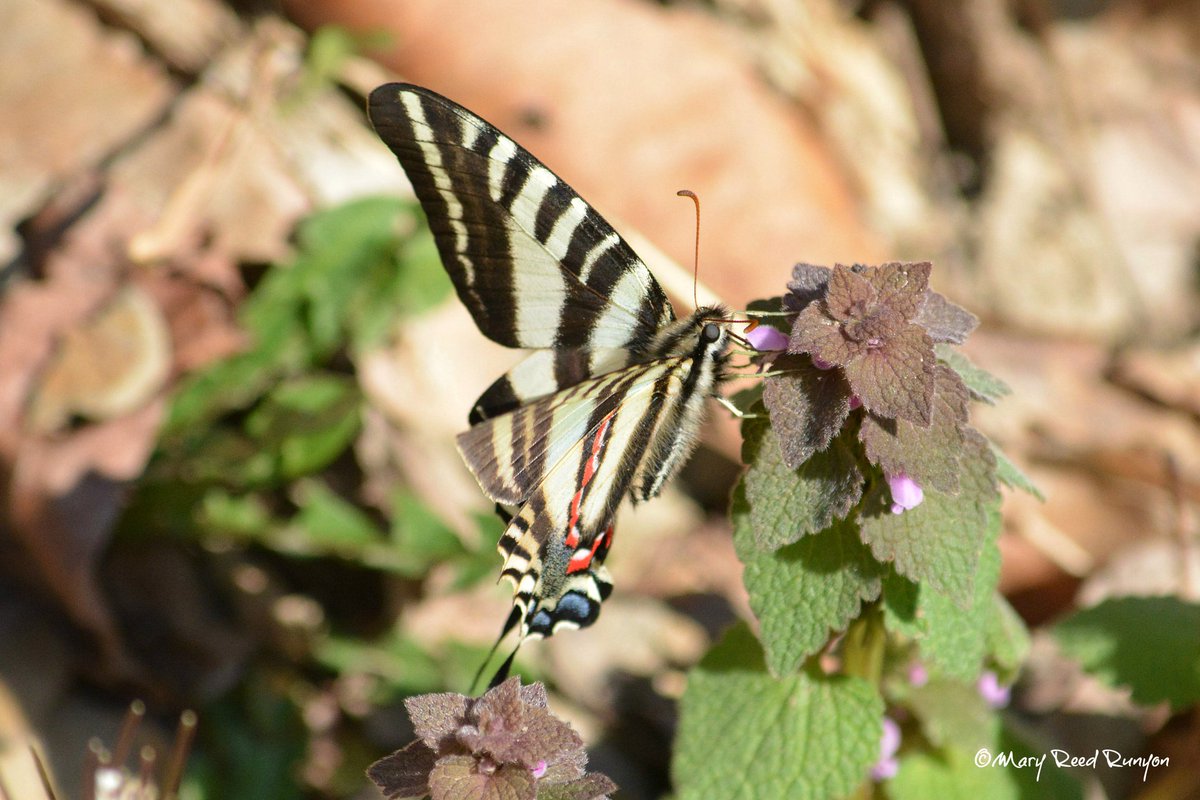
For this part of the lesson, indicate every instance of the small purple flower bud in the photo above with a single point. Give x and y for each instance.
(917, 674)
(855, 402)
(764, 337)
(540, 769)
(821, 363)
(887, 765)
(992, 692)
(907, 494)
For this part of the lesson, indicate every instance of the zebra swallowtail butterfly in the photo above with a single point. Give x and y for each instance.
(610, 401)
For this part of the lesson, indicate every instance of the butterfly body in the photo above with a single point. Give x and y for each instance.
(610, 402)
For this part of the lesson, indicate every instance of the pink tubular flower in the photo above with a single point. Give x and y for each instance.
(992, 692)
(906, 493)
(764, 337)
(540, 769)
(887, 765)
(917, 674)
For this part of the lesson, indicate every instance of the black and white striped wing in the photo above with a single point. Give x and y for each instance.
(567, 460)
(608, 404)
(536, 266)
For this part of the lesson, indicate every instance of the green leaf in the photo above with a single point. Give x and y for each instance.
(328, 523)
(356, 268)
(228, 385)
(227, 457)
(1150, 644)
(329, 47)
(952, 713)
(786, 504)
(1011, 475)
(983, 385)
(1007, 770)
(480, 562)
(957, 636)
(805, 590)
(901, 606)
(250, 742)
(1007, 638)
(397, 665)
(939, 541)
(242, 515)
(419, 538)
(744, 735)
(307, 422)
(423, 282)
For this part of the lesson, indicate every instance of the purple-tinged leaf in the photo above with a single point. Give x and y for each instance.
(589, 787)
(930, 454)
(901, 286)
(405, 773)
(807, 284)
(895, 379)
(465, 778)
(437, 717)
(808, 406)
(945, 321)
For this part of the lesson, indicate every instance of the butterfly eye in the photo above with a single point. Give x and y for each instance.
(711, 332)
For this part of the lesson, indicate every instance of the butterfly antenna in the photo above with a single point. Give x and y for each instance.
(696, 255)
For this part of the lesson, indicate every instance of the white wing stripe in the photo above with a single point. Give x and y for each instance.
(498, 159)
(426, 140)
(625, 296)
(594, 255)
(564, 228)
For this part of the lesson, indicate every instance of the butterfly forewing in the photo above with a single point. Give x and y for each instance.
(608, 406)
(492, 206)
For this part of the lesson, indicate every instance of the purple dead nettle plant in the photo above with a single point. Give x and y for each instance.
(505, 745)
(864, 336)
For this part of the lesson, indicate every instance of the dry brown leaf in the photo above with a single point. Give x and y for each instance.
(680, 108)
(74, 92)
(1171, 377)
(187, 33)
(108, 367)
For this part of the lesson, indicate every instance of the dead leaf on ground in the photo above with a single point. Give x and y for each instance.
(629, 132)
(79, 91)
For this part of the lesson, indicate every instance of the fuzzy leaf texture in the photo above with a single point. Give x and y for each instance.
(797, 738)
(953, 713)
(505, 745)
(864, 324)
(945, 321)
(808, 406)
(982, 384)
(956, 635)
(939, 541)
(786, 504)
(930, 454)
(1011, 475)
(1150, 644)
(802, 592)
(405, 773)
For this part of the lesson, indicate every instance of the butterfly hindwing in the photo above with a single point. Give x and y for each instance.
(543, 373)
